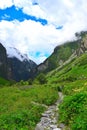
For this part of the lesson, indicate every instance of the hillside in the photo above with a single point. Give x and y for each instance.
(64, 52)
(71, 79)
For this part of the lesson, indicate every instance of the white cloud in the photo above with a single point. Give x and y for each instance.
(5, 3)
(28, 8)
(30, 37)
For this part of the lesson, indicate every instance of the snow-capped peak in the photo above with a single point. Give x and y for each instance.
(13, 52)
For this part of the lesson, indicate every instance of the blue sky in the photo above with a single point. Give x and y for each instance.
(38, 54)
(12, 13)
(36, 27)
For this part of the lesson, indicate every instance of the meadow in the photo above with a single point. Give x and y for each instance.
(21, 106)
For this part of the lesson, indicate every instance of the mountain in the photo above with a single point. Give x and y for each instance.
(13, 52)
(14, 65)
(20, 70)
(65, 53)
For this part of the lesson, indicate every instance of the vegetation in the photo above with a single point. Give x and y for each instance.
(21, 106)
(4, 82)
(72, 79)
(73, 111)
(61, 54)
(42, 78)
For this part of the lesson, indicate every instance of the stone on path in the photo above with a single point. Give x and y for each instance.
(39, 127)
(49, 120)
(57, 129)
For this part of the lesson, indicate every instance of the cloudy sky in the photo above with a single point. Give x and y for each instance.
(35, 27)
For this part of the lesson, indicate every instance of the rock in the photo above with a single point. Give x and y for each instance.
(57, 129)
(61, 125)
(53, 126)
(44, 115)
(54, 121)
(39, 127)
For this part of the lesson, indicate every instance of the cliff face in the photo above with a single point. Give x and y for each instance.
(20, 70)
(64, 53)
(3, 62)
(14, 69)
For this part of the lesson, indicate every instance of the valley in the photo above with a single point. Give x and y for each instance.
(58, 88)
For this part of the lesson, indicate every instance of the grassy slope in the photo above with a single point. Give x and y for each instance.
(72, 79)
(61, 54)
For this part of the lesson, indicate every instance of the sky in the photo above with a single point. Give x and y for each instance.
(36, 27)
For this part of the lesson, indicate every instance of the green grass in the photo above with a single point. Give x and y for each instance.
(75, 70)
(20, 107)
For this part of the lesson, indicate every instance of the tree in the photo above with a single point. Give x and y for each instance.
(30, 81)
(42, 78)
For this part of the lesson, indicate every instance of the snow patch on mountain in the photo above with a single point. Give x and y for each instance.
(13, 52)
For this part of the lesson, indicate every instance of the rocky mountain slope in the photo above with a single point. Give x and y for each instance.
(65, 52)
(15, 66)
(3, 62)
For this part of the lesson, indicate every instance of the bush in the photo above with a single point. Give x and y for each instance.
(42, 78)
(30, 81)
(21, 120)
(73, 111)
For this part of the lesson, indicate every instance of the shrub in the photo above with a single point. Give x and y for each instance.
(73, 111)
(21, 120)
(42, 78)
(30, 81)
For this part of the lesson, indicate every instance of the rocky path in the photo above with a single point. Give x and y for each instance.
(49, 120)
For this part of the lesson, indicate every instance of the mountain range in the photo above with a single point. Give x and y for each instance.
(16, 66)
